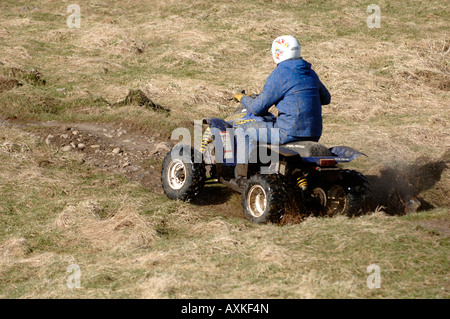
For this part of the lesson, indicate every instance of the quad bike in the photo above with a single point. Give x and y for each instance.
(305, 173)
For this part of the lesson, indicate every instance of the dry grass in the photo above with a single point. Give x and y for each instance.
(389, 91)
(131, 243)
(125, 230)
(14, 248)
(389, 86)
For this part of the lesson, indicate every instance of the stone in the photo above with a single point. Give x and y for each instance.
(116, 150)
(48, 140)
(162, 147)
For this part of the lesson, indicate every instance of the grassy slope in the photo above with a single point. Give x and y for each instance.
(129, 242)
(390, 100)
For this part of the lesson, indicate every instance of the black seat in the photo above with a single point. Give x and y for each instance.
(308, 149)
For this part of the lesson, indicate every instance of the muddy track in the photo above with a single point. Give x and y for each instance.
(116, 149)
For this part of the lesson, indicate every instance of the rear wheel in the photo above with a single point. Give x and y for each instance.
(337, 201)
(263, 198)
(320, 198)
(350, 196)
(181, 177)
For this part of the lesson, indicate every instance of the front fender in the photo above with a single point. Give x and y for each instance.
(217, 123)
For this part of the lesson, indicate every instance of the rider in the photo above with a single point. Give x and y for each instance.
(295, 89)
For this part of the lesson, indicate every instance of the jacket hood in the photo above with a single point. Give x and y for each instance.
(300, 65)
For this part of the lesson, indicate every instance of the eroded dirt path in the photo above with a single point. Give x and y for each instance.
(117, 149)
(109, 147)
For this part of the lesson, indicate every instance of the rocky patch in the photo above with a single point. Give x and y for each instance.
(137, 156)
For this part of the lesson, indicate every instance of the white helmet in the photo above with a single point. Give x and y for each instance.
(284, 48)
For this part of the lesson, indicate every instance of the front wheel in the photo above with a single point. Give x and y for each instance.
(264, 199)
(182, 177)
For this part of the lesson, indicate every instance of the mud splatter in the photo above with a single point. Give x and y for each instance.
(398, 188)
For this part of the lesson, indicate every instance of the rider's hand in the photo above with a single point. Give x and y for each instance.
(238, 96)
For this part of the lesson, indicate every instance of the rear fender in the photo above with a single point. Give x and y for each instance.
(345, 153)
(340, 154)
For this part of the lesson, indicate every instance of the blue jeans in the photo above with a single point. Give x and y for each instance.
(266, 132)
(249, 134)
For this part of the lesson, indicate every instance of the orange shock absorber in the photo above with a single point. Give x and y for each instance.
(207, 138)
(302, 183)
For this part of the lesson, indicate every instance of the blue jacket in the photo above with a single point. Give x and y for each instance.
(298, 94)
